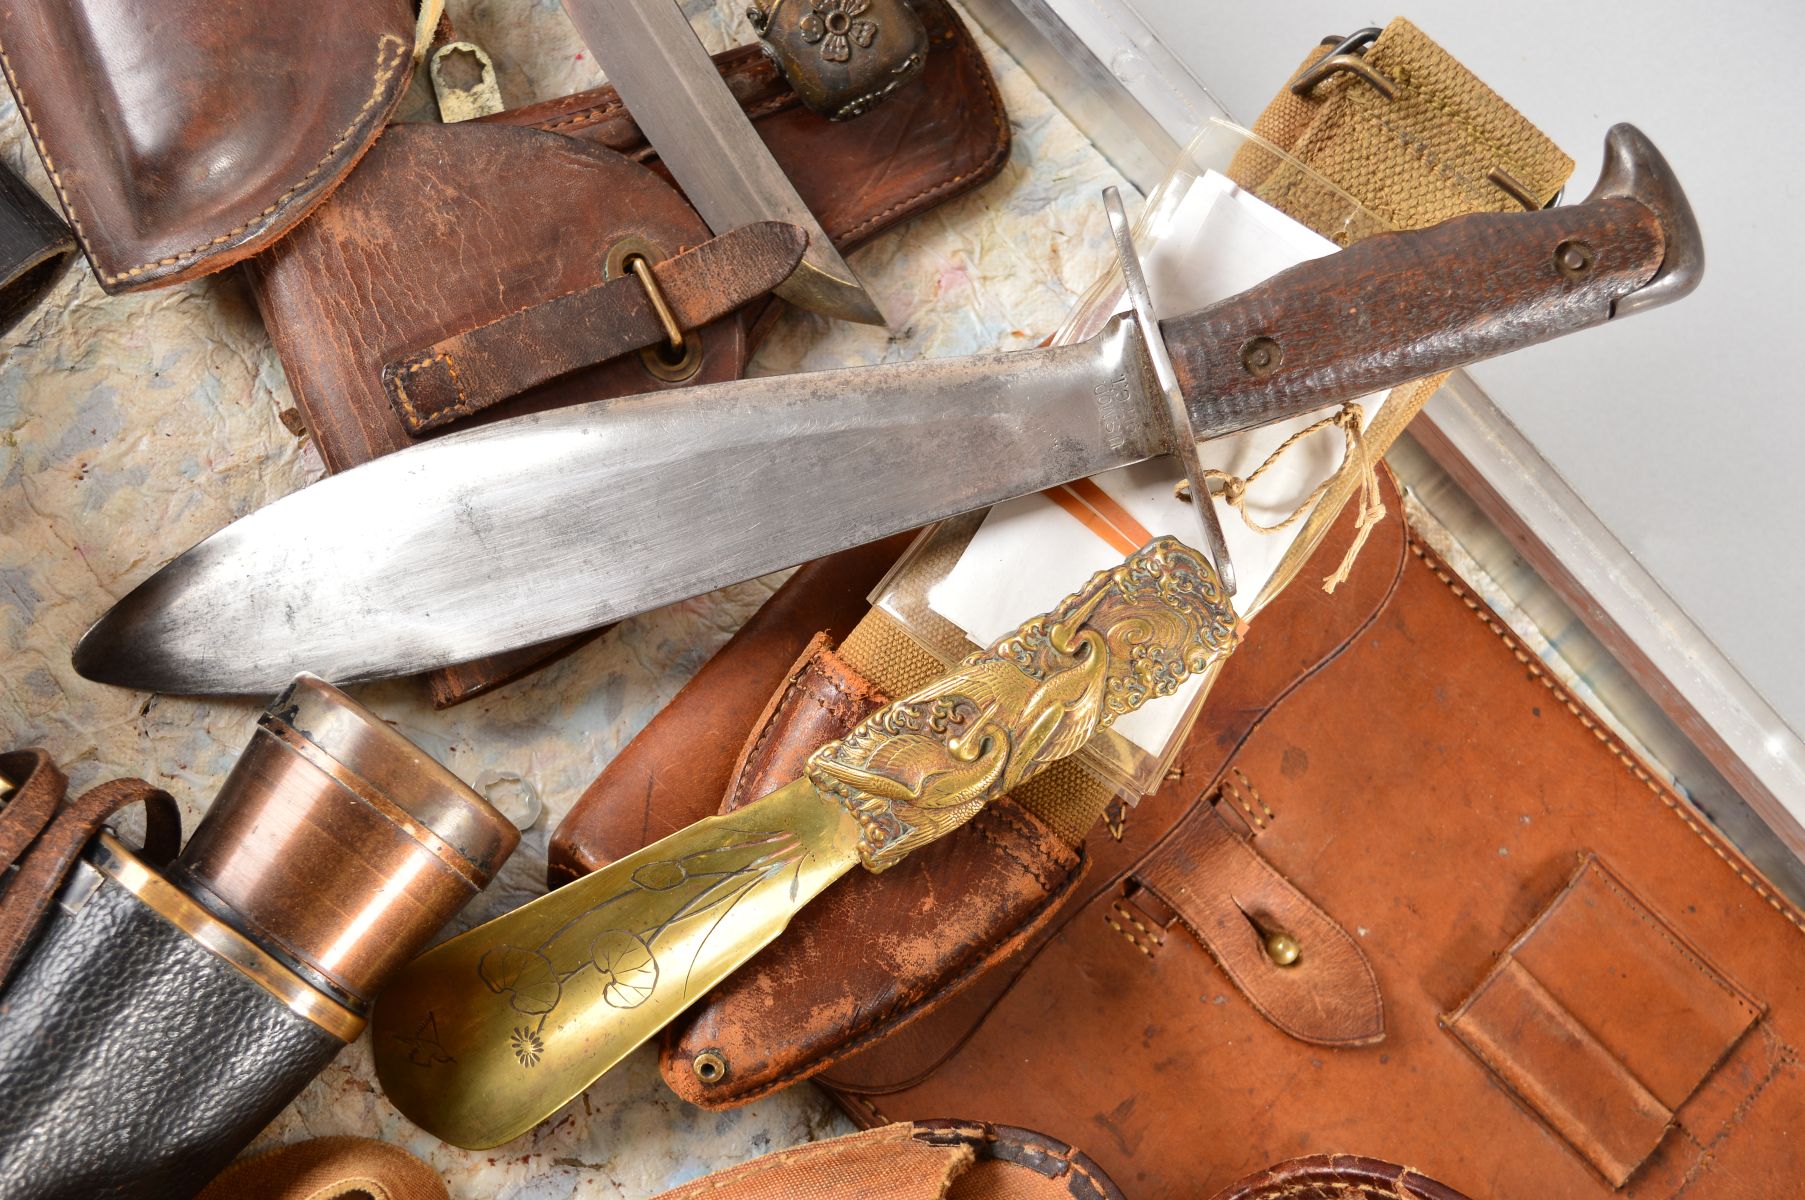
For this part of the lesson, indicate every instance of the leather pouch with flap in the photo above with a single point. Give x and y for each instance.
(448, 228)
(1586, 990)
(184, 136)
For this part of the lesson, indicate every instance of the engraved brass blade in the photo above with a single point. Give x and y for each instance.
(481, 1038)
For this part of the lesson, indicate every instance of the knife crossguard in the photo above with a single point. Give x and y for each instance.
(920, 767)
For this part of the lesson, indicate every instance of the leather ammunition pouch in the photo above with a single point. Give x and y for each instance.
(180, 145)
(447, 228)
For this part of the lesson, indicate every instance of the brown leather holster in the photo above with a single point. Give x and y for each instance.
(183, 141)
(447, 228)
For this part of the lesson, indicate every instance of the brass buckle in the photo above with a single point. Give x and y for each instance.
(1348, 54)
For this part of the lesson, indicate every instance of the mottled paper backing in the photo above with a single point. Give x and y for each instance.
(133, 426)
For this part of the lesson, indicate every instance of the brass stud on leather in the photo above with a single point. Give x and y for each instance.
(709, 1067)
(1283, 949)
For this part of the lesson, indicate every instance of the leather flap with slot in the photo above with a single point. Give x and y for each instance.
(1231, 899)
(1601, 1019)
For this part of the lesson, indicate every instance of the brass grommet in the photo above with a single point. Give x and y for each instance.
(615, 265)
(1573, 258)
(1283, 949)
(661, 363)
(1261, 356)
(709, 1067)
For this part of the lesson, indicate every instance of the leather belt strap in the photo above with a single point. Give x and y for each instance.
(480, 367)
(42, 837)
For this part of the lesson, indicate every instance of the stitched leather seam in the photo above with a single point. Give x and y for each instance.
(792, 689)
(1636, 908)
(1781, 1061)
(614, 108)
(1001, 146)
(1133, 940)
(462, 408)
(866, 1104)
(1255, 793)
(1674, 804)
(753, 66)
(388, 42)
(1230, 789)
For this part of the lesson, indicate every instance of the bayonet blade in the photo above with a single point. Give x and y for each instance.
(556, 523)
(670, 86)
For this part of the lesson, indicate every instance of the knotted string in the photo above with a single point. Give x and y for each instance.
(1355, 457)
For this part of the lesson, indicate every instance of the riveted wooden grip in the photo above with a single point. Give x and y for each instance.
(1402, 306)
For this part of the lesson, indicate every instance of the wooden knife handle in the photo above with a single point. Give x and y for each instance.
(1401, 306)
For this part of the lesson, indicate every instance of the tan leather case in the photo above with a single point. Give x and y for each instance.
(1586, 990)
(447, 227)
(185, 136)
(1561, 980)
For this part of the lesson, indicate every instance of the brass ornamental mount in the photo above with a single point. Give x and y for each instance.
(841, 56)
(490, 1033)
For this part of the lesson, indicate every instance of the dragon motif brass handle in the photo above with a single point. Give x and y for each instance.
(922, 766)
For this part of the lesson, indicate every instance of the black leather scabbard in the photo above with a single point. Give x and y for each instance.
(35, 246)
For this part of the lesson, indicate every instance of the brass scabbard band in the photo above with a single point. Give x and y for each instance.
(246, 957)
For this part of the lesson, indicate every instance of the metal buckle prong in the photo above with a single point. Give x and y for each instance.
(1346, 54)
(642, 271)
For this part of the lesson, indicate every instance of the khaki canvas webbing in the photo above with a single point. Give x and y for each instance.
(1441, 146)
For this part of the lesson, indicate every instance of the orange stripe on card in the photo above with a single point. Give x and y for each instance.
(1068, 498)
(1112, 512)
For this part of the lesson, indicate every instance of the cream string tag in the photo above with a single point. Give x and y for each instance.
(1355, 457)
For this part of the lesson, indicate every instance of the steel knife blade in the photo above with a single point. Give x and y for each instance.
(669, 84)
(486, 1035)
(551, 524)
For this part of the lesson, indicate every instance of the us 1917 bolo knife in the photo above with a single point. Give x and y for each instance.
(481, 1038)
(555, 523)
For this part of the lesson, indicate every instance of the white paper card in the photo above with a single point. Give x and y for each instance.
(1029, 554)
